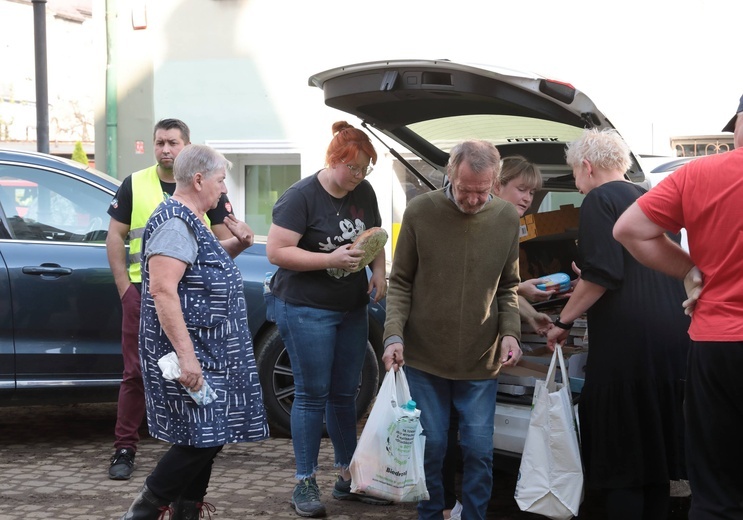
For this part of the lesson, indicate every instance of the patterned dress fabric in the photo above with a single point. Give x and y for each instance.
(215, 312)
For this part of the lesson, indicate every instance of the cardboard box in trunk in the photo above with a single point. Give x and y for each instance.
(520, 380)
(527, 229)
(539, 258)
(549, 223)
(575, 359)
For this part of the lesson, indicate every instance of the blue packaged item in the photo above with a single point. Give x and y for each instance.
(558, 282)
(171, 370)
(205, 395)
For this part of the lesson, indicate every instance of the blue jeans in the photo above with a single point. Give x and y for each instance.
(326, 350)
(475, 403)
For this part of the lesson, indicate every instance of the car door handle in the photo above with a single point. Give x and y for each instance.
(47, 270)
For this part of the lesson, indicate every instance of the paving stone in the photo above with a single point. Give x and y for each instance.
(58, 473)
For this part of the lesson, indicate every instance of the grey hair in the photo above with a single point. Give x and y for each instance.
(482, 156)
(604, 149)
(198, 158)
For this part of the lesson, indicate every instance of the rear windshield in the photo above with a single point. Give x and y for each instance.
(498, 129)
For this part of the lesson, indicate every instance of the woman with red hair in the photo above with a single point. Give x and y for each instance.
(320, 298)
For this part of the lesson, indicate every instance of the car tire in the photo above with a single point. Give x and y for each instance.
(277, 382)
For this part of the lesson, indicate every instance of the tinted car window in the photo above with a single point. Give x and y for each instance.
(44, 205)
(60, 315)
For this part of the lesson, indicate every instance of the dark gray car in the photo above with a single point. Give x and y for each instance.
(60, 314)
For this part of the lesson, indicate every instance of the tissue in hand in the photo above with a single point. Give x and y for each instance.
(171, 370)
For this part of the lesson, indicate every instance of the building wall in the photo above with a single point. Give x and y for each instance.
(698, 145)
(224, 82)
(128, 66)
(231, 72)
(70, 37)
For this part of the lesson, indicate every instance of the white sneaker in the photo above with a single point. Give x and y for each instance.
(456, 512)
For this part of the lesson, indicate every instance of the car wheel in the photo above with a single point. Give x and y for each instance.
(277, 382)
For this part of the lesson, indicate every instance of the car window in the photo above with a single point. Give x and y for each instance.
(40, 204)
(498, 129)
(541, 141)
(553, 200)
(410, 183)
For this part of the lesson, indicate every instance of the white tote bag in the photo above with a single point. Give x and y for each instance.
(550, 480)
(388, 461)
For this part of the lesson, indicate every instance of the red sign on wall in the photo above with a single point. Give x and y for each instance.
(139, 147)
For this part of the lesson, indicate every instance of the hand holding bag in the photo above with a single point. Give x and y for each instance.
(550, 481)
(388, 461)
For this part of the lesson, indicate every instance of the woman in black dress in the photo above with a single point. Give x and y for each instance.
(631, 417)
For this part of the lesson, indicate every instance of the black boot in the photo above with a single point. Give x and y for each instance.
(190, 509)
(147, 506)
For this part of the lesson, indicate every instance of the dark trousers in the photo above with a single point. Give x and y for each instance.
(713, 411)
(184, 471)
(640, 503)
(131, 408)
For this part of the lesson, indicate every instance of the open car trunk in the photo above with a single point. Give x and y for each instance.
(419, 109)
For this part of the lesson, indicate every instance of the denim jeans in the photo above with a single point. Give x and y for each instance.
(475, 403)
(326, 349)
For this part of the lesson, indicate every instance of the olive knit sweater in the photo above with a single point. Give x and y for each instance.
(452, 291)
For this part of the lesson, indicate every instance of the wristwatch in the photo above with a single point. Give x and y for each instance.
(563, 326)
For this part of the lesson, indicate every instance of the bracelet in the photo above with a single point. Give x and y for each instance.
(563, 326)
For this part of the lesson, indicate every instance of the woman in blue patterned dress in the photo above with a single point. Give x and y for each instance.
(193, 305)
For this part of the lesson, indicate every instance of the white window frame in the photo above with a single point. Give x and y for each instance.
(244, 153)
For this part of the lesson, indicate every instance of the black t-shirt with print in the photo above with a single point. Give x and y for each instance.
(325, 224)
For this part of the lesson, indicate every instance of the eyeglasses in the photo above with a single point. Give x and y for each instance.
(359, 171)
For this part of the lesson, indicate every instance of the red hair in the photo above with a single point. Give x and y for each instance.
(347, 143)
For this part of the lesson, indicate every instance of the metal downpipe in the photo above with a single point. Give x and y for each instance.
(112, 111)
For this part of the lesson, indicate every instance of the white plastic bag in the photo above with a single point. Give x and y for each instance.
(550, 480)
(388, 461)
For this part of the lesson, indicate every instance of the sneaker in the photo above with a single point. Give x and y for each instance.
(456, 512)
(306, 499)
(342, 491)
(122, 464)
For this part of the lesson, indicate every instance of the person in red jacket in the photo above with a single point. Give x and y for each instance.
(704, 197)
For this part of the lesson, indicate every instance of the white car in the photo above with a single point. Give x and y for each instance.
(427, 106)
(657, 169)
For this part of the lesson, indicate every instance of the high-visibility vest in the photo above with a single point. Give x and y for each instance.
(147, 194)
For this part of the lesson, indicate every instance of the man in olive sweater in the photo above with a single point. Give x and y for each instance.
(452, 302)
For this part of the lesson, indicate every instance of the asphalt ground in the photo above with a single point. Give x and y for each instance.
(54, 462)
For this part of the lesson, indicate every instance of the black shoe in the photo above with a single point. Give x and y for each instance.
(122, 464)
(190, 509)
(342, 491)
(147, 506)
